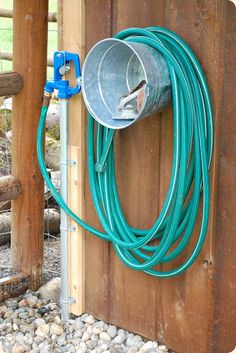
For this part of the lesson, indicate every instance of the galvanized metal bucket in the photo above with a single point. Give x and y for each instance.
(123, 82)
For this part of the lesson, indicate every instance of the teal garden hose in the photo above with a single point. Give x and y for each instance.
(144, 249)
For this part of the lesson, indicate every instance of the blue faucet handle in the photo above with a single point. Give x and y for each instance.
(62, 63)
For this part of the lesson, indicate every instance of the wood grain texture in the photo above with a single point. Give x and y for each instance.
(96, 250)
(8, 13)
(188, 313)
(30, 55)
(13, 286)
(10, 83)
(73, 22)
(224, 333)
(137, 151)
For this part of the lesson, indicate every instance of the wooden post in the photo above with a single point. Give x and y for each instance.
(73, 40)
(8, 13)
(30, 58)
(59, 24)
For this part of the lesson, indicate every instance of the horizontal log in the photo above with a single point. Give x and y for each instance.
(13, 286)
(5, 55)
(10, 188)
(10, 83)
(5, 206)
(8, 13)
(51, 221)
(51, 224)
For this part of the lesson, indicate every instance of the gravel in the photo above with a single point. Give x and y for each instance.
(30, 324)
(5, 262)
(51, 259)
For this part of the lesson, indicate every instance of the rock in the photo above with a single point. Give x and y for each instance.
(19, 349)
(147, 346)
(116, 350)
(3, 310)
(134, 341)
(43, 330)
(24, 315)
(23, 303)
(32, 324)
(8, 313)
(83, 345)
(90, 320)
(81, 350)
(57, 320)
(32, 300)
(91, 344)
(104, 336)
(56, 330)
(104, 347)
(120, 338)
(51, 290)
(112, 331)
(97, 330)
(27, 328)
(96, 350)
(10, 303)
(43, 310)
(39, 322)
(132, 350)
(130, 340)
(15, 327)
(121, 331)
(86, 336)
(83, 317)
(61, 340)
(53, 306)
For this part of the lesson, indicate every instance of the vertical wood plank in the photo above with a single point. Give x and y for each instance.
(29, 59)
(132, 300)
(187, 301)
(98, 26)
(76, 249)
(59, 24)
(224, 333)
(73, 23)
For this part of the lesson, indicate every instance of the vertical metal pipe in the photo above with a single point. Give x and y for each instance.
(64, 218)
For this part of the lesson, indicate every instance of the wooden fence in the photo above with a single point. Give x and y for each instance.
(25, 186)
(8, 13)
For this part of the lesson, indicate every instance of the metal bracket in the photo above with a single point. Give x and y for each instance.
(70, 300)
(68, 228)
(70, 162)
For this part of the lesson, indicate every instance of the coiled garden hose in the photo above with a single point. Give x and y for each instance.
(144, 249)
